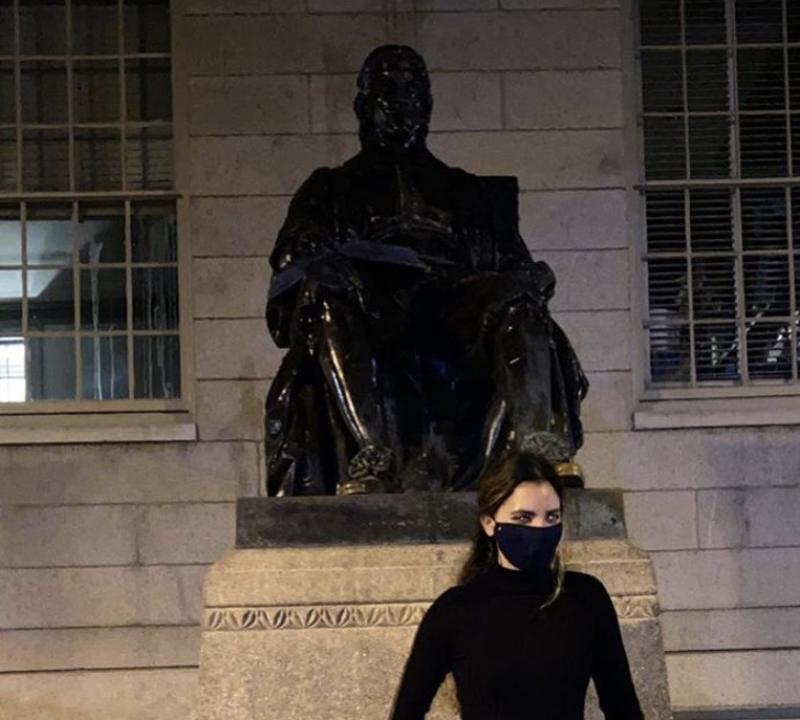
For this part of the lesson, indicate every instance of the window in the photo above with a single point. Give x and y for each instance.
(720, 122)
(89, 305)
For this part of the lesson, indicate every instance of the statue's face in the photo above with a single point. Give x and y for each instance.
(394, 106)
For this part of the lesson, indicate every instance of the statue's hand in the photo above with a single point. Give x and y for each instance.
(302, 246)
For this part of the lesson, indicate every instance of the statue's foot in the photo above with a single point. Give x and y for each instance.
(367, 471)
(546, 444)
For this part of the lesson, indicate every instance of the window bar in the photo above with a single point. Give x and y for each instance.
(788, 195)
(18, 94)
(123, 96)
(733, 85)
(129, 299)
(686, 198)
(76, 300)
(71, 163)
(70, 100)
(23, 222)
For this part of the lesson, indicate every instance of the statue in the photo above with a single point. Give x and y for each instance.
(419, 340)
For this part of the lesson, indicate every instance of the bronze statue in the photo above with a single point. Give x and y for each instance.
(419, 340)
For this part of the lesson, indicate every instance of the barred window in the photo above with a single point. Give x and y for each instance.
(88, 242)
(720, 119)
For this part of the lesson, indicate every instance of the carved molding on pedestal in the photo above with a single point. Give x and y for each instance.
(305, 617)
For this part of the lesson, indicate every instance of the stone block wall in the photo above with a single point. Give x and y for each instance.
(103, 547)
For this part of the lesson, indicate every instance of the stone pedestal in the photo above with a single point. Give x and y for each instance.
(313, 616)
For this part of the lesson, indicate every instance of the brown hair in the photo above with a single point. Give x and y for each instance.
(495, 486)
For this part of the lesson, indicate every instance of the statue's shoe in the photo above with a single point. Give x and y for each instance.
(571, 473)
(549, 445)
(367, 471)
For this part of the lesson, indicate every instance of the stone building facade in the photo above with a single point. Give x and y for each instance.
(108, 524)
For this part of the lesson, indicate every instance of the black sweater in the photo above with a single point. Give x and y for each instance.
(512, 661)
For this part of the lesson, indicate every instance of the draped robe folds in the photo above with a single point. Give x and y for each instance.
(391, 277)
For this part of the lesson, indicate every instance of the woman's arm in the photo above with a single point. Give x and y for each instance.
(610, 670)
(427, 665)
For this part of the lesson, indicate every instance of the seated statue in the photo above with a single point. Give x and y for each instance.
(419, 340)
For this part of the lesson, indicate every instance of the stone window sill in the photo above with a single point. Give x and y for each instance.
(96, 428)
(717, 412)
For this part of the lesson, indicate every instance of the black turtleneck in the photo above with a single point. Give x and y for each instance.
(512, 661)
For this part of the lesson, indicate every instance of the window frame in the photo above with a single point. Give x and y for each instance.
(125, 420)
(721, 405)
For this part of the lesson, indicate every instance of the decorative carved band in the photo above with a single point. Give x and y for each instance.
(635, 607)
(303, 617)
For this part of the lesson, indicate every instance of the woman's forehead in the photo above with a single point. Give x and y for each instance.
(533, 495)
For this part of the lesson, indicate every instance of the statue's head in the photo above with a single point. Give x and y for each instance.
(394, 99)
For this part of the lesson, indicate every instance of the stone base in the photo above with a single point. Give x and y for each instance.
(324, 632)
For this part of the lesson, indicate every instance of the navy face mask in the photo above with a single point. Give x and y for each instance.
(527, 547)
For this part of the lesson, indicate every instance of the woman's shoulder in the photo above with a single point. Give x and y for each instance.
(584, 584)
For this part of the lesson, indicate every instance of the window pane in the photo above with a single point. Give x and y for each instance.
(795, 129)
(148, 87)
(664, 148)
(660, 22)
(710, 147)
(793, 20)
(662, 80)
(42, 27)
(759, 22)
(49, 234)
(669, 354)
(50, 300)
(7, 96)
(149, 159)
(769, 353)
(6, 28)
(668, 294)
(10, 235)
(763, 145)
(154, 233)
(10, 302)
(707, 80)
(8, 160)
(766, 286)
(51, 368)
(763, 218)
(45, 160)
(795, 195)
(794, 77)
(44, 92)
(705, 22)
(101, 233)
(98, 154)
(713, 288)
(103, 302)
(147, 26)
(711, 218)
(666, 223)
(155, 298)
(97, 97)
(12, 370)
(156, 360)
(95, 28)
(105, 367)
(761, 79)
(716, 352)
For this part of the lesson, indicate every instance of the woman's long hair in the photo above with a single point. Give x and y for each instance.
(495, 486)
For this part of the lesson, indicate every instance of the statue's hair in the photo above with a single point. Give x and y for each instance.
(390, 54)
(495, 486)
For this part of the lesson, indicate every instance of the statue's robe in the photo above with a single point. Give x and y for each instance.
(436, 256)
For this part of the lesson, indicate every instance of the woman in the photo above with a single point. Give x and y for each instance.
(521, 635)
